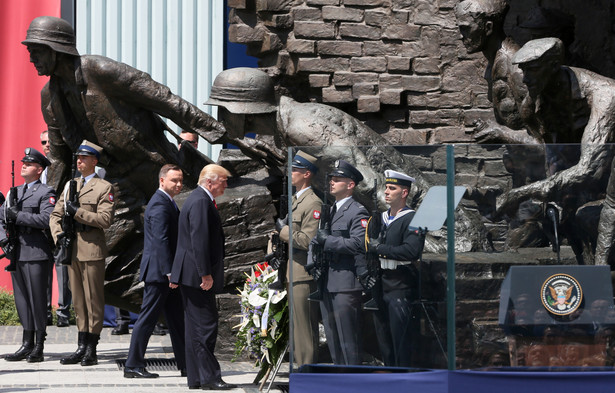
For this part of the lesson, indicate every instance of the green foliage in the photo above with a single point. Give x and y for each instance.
(8, 312)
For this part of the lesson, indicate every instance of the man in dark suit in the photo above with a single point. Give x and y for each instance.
(160, 224)
(341, 304)
(198, 268)
(30, 215)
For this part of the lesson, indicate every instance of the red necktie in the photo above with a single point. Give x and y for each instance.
(215, 204)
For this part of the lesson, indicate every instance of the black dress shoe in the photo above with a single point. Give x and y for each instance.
(192, 387)
(183, 372)
(62, 322)
(218, 385)
(138, 372)
(159, 330)
(120, 329)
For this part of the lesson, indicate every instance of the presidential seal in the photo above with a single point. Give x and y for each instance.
(561, 294)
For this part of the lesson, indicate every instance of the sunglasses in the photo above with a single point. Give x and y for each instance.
(44, 142)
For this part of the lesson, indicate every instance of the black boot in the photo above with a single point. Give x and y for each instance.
(76, 356)
(27, 346)
(90, 359)
(37, 353)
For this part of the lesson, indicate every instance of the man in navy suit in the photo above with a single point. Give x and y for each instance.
(198, 268)
(160, 224)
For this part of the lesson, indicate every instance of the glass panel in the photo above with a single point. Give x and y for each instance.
(408, 331)
(527, 293)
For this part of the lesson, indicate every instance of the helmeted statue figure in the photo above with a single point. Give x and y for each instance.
(247, 103)
(117, 107)
(572, 105)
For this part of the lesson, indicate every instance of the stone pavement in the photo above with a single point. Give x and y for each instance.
(51, 376)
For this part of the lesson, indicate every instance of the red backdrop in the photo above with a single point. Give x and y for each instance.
(20, 100)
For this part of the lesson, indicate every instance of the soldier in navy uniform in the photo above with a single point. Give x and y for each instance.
(341, 305)
(35, 202)
(397, 247)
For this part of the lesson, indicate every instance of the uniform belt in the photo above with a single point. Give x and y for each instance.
(25, 230)
(79, 227)
(391, 264)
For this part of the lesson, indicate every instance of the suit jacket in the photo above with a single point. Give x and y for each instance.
(346, 247)
(160, 244)
(200, 243)
(96, 209)
(305, 219)
(33, 219)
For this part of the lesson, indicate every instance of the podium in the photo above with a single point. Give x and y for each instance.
(558, 315)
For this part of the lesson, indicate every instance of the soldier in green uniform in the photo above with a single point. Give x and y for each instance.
(92, 213)
(305, 217)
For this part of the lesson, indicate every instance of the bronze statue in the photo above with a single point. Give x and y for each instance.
(117, 107)
(573, 105)
(606, 226)
(481, 24)
(246, 101)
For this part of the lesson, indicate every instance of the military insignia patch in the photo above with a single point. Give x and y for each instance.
(364, 223)
(110, 197)
(316, 215)
(561, 294)
(52, 200)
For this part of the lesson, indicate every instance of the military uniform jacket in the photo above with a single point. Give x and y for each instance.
(398, 241)
(96, 209)
(345, 247)
(305, 219)
(401, 243)
(32, 221)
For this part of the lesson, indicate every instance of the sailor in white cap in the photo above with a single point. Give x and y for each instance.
(397, 247)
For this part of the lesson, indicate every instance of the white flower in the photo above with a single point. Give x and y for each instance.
(275, 298)
(255, 299)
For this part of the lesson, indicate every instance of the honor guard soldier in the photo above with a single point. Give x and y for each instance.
(92, 213)
(305, 217)
(341, 304)
(30, 217)
(397, 247)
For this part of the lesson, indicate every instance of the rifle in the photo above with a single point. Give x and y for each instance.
(12, 242)
(374, 226)
(64, 244)
(320, 263)
(279, 256)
